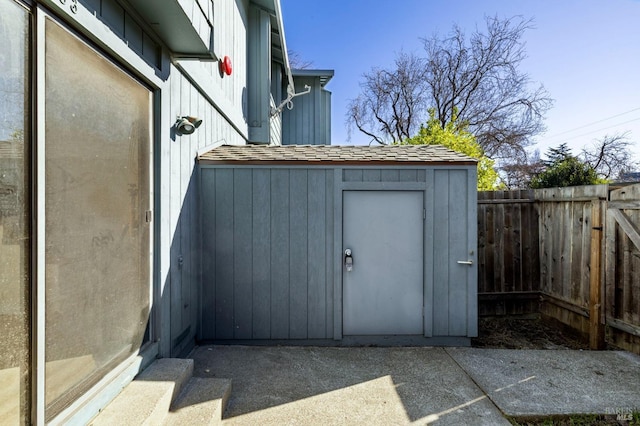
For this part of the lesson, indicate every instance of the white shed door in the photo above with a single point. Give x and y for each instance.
(383, 292)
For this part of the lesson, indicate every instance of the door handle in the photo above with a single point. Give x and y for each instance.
(465, 262)
(348, 260)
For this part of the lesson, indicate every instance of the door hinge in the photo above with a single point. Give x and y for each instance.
(148, 216)
(424, 214)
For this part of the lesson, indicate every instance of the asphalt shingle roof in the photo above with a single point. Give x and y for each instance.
(335, 154)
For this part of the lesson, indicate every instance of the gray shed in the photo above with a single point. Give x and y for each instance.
(342, 244)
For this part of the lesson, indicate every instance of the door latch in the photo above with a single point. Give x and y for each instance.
(348, 260)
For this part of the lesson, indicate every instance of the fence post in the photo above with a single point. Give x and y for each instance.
(596, 328)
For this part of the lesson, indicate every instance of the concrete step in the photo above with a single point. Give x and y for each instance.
(148, 398)
(202, 402)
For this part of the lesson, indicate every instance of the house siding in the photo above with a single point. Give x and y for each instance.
(309, 122)
(266, 237)
(180, 204)
(275, 127)
(227, 93)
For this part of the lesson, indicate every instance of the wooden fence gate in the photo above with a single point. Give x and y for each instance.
(622, 268)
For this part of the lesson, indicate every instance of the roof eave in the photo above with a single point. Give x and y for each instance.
(283, 41)
(324, 75)
(208, 162)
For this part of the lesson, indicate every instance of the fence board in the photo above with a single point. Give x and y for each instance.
(529, 235)
(539, 242)
(577, 248)
(596, 327)
(508, 254)
(545, 246)
(508, 219)
(585, 255)
(610, 265)
(623, 267)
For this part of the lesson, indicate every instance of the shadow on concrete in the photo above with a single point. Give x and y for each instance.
(337, 385)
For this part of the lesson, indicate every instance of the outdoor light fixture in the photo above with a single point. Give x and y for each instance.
(187, 124)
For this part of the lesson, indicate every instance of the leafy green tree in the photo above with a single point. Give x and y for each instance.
(563, 169)
(456, 137)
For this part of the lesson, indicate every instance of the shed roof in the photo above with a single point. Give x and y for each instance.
(335, 154)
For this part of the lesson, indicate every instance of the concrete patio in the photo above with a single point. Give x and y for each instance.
(416, 385)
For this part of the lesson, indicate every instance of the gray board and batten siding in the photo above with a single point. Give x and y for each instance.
(310, 118)
(272, 241)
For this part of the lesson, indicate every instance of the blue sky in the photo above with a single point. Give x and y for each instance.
(585, 52)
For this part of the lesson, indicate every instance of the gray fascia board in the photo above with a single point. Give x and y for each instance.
(312, 72)
(324, 75)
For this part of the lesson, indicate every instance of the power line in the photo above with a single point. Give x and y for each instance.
(599, 130)
(595, 122)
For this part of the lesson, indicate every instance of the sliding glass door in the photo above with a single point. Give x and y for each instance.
(97, 213)
(76, 285)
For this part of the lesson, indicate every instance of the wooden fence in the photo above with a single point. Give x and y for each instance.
(508, 253)
(572, 254)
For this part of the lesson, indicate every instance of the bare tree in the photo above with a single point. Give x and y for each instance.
(392, 104)
(519, 173)
(297, 62)
(610, 156)
(475, 79)
(478, 80)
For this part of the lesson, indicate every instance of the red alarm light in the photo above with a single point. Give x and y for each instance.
(226, 66)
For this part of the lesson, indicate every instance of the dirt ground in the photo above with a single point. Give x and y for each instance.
(518, 333)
